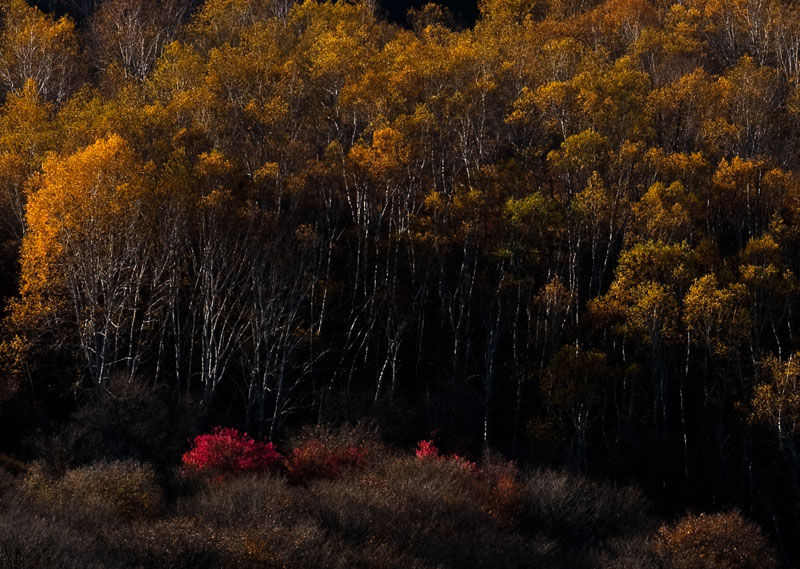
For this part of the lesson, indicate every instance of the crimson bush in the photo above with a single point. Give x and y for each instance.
(426, 450)
(226, 451)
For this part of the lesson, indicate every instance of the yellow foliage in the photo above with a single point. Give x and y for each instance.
(576, 377)
(35, 46)
(179, 69)
(714, 541)
(664, 213)
(269, 171)
(584, 151)
(715, 315)
(776, 400)
(223, 21)
(125, 488)
(74, 204)
(214, 165)
(646, 294)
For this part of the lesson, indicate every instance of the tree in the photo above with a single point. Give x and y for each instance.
(86, 258)
(599, 216)
(618, 24)
(277, 348)
(678, 110)
(665, 213)
(776, 400)
(644, 301)
(715, 316)
(733, 29)
(745, 194)
(26, 134)
(786, 35)
(775, 404)
(132, 34)
(37, 46)
(580, 156)
(770, 290)
(220, 22)
(575, 386)
(219, 261)
(613, 99)
(673, 50)
(515, 10)
(747, 100)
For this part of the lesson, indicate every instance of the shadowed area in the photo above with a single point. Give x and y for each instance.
(464, 12)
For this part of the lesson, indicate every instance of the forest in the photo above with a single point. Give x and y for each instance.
(565, 235)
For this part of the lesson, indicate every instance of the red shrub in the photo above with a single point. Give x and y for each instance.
(314, 459)
(426, 450)
(226, 451)
(463, 462)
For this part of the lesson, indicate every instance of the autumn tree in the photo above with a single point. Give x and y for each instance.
(132, 35)
(27, 132)
(715, 316)
(776, 405)
(672, 50)
(36, 46)
(645, 300)
(678, 111)
(665, 213)
(278, 345)
(770, 289)
(747, 101)
(86, 258)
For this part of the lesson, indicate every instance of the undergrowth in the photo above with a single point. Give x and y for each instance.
(342, 499)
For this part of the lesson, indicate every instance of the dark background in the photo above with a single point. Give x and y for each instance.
(465, 11)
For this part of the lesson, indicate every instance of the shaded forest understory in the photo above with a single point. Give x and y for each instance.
(569, 233)
(342, 499)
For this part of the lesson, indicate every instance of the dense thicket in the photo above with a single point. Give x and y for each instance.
(341, 499)
(570, 232)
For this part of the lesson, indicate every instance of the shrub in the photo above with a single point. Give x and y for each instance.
(7, 481)
(125, 488)
(244, 501)
(426, 450)
(501, 490)
(496, 486)
(626, 552)
(129, 419)
(177, 543)
(39, 485)
(429, 511)
(11, 465)
(226, 451)
(579, 513)
(324, 452)
(715, 541)
(315, 459)
(34, 537)
(122, 488)
(35, 542)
